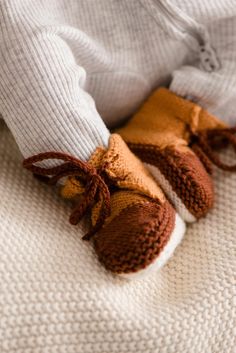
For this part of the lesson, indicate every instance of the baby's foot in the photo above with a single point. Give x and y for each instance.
(175, 138)
(134, 228)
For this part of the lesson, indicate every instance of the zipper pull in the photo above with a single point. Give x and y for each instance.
(180, 26)
(208, 58)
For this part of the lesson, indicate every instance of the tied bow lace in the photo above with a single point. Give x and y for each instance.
(95, 187)
(204, 144)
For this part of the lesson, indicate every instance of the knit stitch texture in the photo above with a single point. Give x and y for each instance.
(56, 297)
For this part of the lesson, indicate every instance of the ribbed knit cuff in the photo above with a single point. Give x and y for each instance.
(75, 135)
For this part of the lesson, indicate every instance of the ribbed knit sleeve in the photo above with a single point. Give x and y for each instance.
(41, 85)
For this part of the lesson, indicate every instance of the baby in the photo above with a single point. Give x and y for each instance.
(72, 71)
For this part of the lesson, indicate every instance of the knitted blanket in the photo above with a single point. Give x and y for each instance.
(56, 298)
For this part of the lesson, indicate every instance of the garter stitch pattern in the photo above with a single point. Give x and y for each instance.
(178, 139)
(56, 298)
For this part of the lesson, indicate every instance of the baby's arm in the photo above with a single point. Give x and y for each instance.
(42, 98)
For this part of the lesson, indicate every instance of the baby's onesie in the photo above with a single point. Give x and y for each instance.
(72, 69)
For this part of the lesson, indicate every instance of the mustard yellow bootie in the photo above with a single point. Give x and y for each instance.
(176, 139)
(133, 226)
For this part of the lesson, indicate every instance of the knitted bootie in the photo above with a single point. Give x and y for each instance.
(134, 227)
(176, 137)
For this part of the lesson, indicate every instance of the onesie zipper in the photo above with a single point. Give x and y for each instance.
(180, 26)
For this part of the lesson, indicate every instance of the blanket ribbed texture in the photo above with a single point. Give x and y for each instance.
(56, 298)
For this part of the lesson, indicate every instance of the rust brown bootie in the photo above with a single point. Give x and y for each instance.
(176, 139)
(134, 227)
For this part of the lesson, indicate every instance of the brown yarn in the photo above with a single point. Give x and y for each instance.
(184, 172)
(205, 142)
(138, 246)
(203, 158)
(94, 184)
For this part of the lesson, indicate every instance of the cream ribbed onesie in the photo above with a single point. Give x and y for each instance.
(71, 68)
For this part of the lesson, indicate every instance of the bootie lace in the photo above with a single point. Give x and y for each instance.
(205, 143)
(94, 185)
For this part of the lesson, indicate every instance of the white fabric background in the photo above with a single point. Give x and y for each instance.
(55, 297)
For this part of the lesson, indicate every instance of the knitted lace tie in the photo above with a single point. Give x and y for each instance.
(205, 143)
(95, 187)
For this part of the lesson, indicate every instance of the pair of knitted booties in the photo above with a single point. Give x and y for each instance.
(154, 175)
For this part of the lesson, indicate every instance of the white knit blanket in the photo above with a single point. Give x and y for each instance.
(55, 297)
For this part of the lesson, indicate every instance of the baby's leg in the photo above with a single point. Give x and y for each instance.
(41, 91)
(213, 88)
